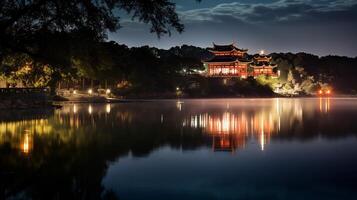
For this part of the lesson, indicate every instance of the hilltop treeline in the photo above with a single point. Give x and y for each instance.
(154, 71)
(44, 42)
(141, 68)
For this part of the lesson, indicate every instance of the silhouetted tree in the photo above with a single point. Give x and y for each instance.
(53, 32)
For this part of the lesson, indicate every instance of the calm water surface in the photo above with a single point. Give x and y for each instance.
(187, 149)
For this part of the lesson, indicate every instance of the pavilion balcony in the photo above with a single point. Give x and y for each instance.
(240, 74)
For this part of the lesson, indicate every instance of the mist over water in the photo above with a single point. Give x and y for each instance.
(280, 148)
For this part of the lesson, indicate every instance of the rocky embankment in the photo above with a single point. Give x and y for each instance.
(23, 103)
(24, 99)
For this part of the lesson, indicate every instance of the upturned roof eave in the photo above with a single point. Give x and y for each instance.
(234, 61)
(240, 50)
(262, 66)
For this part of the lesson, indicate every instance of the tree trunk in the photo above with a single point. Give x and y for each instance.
(83, 83)
(56, 78)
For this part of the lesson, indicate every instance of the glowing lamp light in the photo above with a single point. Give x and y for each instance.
(74, 108)
(90, 109)
(107, 91)
(328, 92)
(261, 52)
(108, 108)
(320, 91)
(224, 81)
(177, 88)
(90, 91)
(74, 91)
(26, 146)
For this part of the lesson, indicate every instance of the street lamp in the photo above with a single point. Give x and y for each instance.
(178, 91)
(107, 91)
(90, 91)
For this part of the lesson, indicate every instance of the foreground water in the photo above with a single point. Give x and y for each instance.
(187, 149)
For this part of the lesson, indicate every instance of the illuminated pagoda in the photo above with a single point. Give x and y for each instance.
(228, 61)
(262, 65)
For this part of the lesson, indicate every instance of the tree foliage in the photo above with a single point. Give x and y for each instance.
(308, 72)
(66, 34)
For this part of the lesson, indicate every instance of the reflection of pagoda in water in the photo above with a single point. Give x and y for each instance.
(231, 130)
(227, 142)
(226, 127)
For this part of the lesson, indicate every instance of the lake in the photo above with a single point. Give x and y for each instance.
(280, 148)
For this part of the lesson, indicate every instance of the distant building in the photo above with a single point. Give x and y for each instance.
(231, 61)
(228, 61)
(262, 65)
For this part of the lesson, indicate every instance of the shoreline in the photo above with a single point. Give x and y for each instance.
(131, 100)
(57, 104)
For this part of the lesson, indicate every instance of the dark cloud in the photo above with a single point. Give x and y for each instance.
(283, 10)
(315, 26)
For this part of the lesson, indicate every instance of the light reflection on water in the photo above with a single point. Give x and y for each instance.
(107, 136)
(230, 124)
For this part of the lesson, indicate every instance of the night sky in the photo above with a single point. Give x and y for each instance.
(321, 27)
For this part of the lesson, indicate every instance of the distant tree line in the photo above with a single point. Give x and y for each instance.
(151, 70)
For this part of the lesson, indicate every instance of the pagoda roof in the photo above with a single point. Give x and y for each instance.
(244, 60)
(222, 59)
(257, 56)
(229, 47)
(227, 59)
(263, 64)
